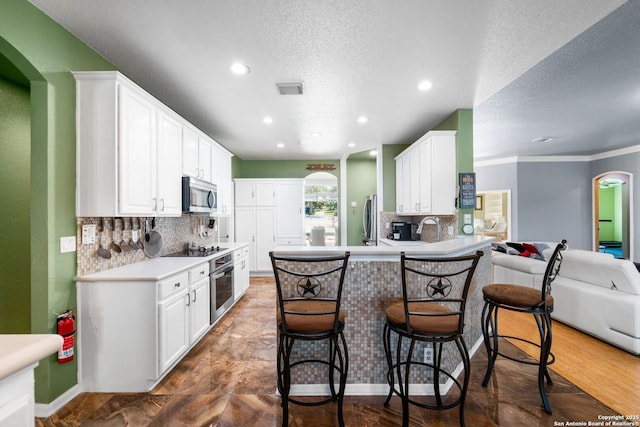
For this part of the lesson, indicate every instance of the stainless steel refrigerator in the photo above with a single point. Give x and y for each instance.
(370, 220)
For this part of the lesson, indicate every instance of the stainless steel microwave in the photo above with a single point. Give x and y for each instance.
(199, 196)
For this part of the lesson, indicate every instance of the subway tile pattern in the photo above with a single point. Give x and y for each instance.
(369, 288)
(175, 232)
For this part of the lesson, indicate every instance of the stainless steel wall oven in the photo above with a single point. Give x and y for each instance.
(221, 285)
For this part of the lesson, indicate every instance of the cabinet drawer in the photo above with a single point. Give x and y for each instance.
(240, 253)
(177, 283)
(293, 241)
(198, 273)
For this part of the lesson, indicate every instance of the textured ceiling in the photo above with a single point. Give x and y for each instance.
(354, 57)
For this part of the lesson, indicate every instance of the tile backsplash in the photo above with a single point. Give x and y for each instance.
(429, 232)
(175, 232)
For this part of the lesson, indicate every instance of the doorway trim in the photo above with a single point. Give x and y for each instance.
(627, 178)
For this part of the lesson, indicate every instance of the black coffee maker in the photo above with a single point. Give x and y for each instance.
(401, 230)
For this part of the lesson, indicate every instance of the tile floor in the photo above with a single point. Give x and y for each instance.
(229, 379)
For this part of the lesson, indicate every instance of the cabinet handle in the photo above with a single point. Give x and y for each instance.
(194, 296)
(202, 273)
(188, 299)
(176, 285)
(161, 205)
(155, 204)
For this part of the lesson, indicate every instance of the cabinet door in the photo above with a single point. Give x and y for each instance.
(245, 230)
(169, 166)
(190, 152)
(265, 236)
(399, 192)
(199, 308)
(443, 195)
(205, 148)
(265, 193)
(424, 177)
(414, 181)
(290, 213)
(136, 154)
(227, 200)
(240, 277)
(173, 328)
(216, 168)
(406, 184)
(245, 192)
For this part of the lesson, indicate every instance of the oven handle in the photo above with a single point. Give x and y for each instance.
(215, 276)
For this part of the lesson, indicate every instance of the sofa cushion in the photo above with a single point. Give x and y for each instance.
(526, 265)
(601, 269)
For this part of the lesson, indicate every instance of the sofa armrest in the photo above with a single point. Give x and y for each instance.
(523, 264)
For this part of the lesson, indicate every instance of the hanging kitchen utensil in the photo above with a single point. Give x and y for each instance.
(153, 245)
(102, 252)
(132, 243)
(124, 245)
(147, 236)
(114, 246)
(139, 235)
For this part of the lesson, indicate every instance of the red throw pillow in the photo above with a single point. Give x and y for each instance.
(529, 247)
(526, 253)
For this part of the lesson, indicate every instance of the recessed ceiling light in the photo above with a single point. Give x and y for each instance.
(363, 119)
(280, 145)
(373, 152)
(267, 120)
(425, 85)
(315, 134)
(351, 144)
(542, 139)
(240, 68)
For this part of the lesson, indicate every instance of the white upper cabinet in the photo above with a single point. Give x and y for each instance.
(290, 212)
(128, 150)
(258, 192)
(426, 175)
(197, 152)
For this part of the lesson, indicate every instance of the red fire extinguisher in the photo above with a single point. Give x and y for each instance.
(66, 328)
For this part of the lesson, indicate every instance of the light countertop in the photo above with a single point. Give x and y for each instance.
(18, 351)
(452, 247)
(155, 269)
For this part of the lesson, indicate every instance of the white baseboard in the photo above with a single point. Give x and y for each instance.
(45, 410)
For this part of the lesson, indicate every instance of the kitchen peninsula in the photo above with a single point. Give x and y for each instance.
(373, 280)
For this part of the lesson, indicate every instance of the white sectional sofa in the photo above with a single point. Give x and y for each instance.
(594, 292)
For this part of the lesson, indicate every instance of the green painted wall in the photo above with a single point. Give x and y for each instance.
(15, 176)
(45, 53)
(361, 180)
(607, 213)
(280, 168)
(462, 122)
(389, 153)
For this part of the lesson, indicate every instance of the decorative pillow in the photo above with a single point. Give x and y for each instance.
(537, 256)
(525, 253)
(531, 248)
(500, 247)
(512, 251)
(517, 246)
(541, 247)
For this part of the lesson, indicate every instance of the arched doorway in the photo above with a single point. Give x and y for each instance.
(321, 209)
(613, 213)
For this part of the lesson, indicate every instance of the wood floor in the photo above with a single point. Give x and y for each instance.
(229, 379)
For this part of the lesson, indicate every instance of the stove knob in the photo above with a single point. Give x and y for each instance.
(217, 248)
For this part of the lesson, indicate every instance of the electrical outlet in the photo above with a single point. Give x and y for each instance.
(450, 230)
(428, 354)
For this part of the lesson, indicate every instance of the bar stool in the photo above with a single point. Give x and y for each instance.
(309, 292)
(523, 299)
(434, 294)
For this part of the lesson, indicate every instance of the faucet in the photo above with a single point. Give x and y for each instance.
(430, 220)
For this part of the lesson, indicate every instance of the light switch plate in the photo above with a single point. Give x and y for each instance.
(467, 218)
(67, 244)
(88, 234)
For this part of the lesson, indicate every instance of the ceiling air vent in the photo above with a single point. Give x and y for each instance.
(294, 88)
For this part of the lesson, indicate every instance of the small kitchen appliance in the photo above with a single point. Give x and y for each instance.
(401, 230)
(199, 196)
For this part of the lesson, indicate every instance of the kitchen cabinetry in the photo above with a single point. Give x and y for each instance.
(290, 212)
(426, 175)
(128, 149)
(240, 271)
(268, 212)
(221, 176)
(130, 333)
(196, 154)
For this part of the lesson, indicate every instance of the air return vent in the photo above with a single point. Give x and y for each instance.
(294, 88)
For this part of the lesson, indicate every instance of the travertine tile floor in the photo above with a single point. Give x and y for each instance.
(229, 379)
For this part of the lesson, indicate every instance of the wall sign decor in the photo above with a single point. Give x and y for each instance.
(321, 167)
(467, 183)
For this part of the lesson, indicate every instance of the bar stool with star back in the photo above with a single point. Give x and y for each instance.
(432, 310)
(309, 292)
(523, 299)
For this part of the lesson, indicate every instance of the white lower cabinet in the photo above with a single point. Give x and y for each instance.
(17, 399)
(130, 333)
(257, 226)
(240, 271)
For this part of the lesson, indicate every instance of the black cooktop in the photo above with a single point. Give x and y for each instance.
(201, 251)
